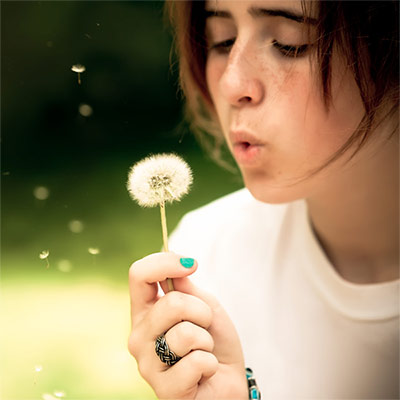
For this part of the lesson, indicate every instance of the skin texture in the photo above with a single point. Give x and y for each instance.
(275, 102)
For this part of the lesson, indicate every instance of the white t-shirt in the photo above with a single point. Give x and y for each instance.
(306, 332)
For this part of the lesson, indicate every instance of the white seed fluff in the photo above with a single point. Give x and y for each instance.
(157, 178)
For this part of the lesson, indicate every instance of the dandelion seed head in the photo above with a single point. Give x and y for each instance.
(44, 254)
(38, 368)
(59, 394)
(75, 226)
(78, 68)
(159, 177)
(41, 192)
(93, 250)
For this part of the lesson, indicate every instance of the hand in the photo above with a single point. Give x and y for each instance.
(196, 328)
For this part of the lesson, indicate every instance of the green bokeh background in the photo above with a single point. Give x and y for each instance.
(74, 322)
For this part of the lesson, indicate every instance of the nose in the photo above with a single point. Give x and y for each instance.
(241, 82)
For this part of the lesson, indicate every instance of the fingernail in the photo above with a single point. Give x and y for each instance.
(187, 262)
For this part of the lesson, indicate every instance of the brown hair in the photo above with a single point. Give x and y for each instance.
(365, 32)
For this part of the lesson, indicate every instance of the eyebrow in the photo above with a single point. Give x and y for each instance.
(264, 12)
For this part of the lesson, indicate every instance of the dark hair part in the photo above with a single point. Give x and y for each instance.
(366, 33)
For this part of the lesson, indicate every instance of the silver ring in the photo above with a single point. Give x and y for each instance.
(163, 351)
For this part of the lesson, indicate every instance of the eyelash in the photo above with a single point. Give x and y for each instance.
(286, 50)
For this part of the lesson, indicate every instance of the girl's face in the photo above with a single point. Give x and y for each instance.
(268, 98)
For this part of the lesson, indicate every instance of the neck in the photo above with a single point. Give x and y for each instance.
(356, 219)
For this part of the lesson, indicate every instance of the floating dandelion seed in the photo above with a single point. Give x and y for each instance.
(44, 255)
(85, 110)
(79, 69)
(75, 226)
(41, 192)
(156, 180)
(38, 368)
(93, 250)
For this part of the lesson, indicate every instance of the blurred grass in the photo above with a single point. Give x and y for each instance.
(75, 324)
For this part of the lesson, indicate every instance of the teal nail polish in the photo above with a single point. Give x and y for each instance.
(187, 262)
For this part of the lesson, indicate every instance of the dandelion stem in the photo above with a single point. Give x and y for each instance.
(164, 225)
(165, 238)
(79, 78)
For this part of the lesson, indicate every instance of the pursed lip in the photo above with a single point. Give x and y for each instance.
(240, 137)
(247, 148)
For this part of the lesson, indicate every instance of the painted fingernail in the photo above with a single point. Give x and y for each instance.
(187, 262)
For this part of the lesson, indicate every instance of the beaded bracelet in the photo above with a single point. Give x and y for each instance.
(254, 393)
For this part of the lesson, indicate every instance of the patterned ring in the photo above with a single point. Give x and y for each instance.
(163, 351)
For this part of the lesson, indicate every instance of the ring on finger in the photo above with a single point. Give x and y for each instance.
(166, 355)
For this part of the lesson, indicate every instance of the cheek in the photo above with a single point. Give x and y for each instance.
(214, 71)
(319, 130)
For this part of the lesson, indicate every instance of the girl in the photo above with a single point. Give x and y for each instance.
(295, 276)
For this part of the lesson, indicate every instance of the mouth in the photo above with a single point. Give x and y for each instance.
(246, 148)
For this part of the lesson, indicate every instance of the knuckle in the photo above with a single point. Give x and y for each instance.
(208, 316)
(136, 271)
(200, 359)
(175, 301)
(134, 343)
(144, 368)
(187, 333)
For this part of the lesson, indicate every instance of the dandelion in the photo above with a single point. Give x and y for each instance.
(44, 255)
(79, 69)
(156, 180)
(59, 394)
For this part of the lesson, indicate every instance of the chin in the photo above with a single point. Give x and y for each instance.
(264, 191)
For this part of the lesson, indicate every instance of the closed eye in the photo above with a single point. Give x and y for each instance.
(223, 47)
(289, 50)
(286, 50)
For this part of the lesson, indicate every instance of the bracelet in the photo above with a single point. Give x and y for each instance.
(254, 393)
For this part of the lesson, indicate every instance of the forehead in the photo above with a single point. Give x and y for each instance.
(220, 4)
(291, 10)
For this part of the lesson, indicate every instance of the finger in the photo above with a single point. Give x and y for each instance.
(181, 380)
(186, 337)
(144, 275)
(227, 347)
(172, 309)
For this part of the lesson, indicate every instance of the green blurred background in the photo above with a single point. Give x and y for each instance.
(70, 321)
